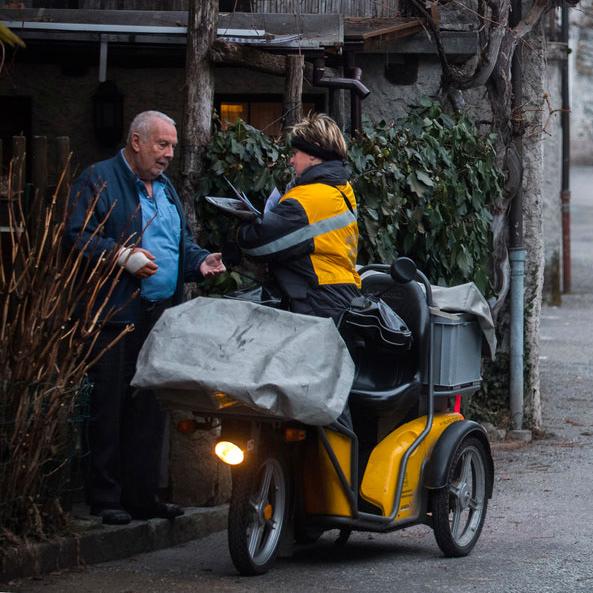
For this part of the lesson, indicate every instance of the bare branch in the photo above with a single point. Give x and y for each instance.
(525, 26)
(447, 75)
(497, 29)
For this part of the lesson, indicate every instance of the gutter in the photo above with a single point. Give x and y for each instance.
(161, 34)
(96, 28)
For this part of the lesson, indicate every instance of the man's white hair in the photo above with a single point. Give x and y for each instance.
(142, 123)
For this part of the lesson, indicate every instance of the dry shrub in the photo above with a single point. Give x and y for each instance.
(46, 342)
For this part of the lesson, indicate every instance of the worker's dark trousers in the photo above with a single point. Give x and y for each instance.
(125, 430)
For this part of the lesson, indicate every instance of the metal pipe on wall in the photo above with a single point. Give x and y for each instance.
(358, 90)
(355, 105)
(565, 190)
(517, 258)
(517, 251)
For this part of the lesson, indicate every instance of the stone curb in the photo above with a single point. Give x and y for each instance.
(102, 543)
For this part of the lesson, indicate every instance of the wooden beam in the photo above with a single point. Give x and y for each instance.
(395, 30)
(361, 28)
(39, 176)
(232, 54)
(19, 151)
(39, 173)
(199, 100)
(292, 110)
(64, 171)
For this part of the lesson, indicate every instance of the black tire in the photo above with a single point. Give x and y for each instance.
(459, 509)
(258, 513)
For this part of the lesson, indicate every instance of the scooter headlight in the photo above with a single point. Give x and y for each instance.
(229, 452)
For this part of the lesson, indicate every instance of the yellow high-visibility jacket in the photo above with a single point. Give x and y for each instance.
(310, 240)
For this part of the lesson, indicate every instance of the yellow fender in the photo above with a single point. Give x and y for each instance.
(437, 469)
(380, 477)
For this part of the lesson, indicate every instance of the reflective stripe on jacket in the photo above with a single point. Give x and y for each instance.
(310, 238)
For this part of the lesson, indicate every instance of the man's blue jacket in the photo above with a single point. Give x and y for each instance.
(113, 185)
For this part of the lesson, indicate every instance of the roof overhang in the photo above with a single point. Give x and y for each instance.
(163, 34)
(307, 32)
(458, 45)
(405, 36)
(364, 31)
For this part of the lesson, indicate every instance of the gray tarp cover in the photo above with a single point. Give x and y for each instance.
(289, 365)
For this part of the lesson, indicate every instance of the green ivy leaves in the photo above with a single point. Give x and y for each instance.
(424, 186)
(435, 177)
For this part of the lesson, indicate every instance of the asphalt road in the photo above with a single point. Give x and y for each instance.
(537, 536)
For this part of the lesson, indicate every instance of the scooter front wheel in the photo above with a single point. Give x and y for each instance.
(459, 509)
(258, 514)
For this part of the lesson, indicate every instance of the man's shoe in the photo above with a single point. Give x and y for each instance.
(113, 516)
(162, 510)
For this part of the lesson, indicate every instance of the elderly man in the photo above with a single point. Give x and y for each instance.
(147, 233)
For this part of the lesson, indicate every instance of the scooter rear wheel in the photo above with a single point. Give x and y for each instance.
(258, 514)
(459, 509)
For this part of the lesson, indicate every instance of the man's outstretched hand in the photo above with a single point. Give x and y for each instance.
(212, 265)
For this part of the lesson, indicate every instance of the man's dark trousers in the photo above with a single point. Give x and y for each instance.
(126, 427)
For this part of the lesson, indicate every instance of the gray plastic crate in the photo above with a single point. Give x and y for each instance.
(456, 351)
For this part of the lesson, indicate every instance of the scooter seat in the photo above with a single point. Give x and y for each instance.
(386, 401)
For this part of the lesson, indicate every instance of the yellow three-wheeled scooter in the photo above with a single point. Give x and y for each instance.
(407, 457)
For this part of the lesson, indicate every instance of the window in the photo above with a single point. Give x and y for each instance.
(231, 112)
(262, 112)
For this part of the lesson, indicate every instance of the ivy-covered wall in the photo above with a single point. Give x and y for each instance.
(424, 185)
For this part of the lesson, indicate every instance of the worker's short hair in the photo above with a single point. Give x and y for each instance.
(319, 135)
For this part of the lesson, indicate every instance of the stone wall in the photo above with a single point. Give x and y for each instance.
(582, 84)
(552, 178)
(389, 101)
(63, 105)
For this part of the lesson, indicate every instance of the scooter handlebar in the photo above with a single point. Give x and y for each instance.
(420, 277)
(402, 270)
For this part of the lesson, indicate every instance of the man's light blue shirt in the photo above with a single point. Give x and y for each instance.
(161, 236)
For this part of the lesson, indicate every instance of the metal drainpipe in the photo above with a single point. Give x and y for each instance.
(565, 192)
(517, 252)
(358, 90)
(517, 257)
(355, 104)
